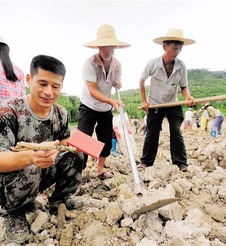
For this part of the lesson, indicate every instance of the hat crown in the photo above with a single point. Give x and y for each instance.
(106, 32)
(106, 36)
(175, 33)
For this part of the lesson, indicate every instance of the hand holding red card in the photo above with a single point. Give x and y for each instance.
(86, 143)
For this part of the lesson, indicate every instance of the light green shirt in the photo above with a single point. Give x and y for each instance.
(214, 112)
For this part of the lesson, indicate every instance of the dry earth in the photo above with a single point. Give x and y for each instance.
(107, 219)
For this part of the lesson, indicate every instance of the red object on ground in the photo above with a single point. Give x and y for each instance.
(86, 144)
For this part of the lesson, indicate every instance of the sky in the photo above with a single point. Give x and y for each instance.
(60, 28)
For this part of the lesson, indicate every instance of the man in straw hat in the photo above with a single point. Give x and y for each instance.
(168, 74)
(101, 72)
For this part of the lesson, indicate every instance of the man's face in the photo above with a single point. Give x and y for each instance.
(45, 88)
(106, 52)
(172, 50)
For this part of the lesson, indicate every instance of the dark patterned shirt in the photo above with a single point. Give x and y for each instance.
(19, 123)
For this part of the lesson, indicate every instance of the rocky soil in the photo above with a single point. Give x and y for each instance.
(197, 218)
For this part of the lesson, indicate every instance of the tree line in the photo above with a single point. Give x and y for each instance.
(202, 83)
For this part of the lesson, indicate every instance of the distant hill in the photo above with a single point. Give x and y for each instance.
(205, 83)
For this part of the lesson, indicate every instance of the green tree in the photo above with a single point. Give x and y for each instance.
(71, 104)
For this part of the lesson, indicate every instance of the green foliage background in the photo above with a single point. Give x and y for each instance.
(202, 83)
(71, 103)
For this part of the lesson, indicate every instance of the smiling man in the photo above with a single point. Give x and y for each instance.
(36, 118)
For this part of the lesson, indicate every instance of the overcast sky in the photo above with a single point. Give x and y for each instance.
(59, 28)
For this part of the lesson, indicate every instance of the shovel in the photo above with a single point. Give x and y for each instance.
(137, 185)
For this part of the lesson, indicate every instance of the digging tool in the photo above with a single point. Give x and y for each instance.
(136, 178)
(155, 205)
(180, 103)
(137, 186)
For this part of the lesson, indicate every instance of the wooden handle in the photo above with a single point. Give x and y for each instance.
(179, 103)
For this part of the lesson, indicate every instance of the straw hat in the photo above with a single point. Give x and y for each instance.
(207, 104)
(106, 37)
(2, 41)
(174, 34)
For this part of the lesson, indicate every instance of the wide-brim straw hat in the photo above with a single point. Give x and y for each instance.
(207, 104)
(174, 34)
(106, 36)
(2, 41)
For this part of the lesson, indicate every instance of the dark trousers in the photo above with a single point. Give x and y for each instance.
(154, 126)
(88, 120)
(21, 187)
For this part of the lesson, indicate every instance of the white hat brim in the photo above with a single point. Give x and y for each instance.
(2, 41)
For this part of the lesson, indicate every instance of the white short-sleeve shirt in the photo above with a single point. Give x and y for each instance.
(93, 71)
(164, 89)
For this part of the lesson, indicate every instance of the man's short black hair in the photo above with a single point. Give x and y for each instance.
(173, 42)
(47, 63)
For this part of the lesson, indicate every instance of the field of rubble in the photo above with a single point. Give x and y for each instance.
(109, 215)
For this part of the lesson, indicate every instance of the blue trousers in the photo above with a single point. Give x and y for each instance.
(217, 124)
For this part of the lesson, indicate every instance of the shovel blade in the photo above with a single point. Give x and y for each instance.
(155, 205)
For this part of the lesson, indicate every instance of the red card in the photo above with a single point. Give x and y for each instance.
(85, 143)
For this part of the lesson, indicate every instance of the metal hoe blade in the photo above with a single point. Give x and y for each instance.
(155, 205)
